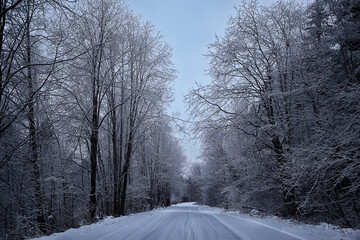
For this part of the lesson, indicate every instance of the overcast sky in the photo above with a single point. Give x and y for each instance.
(188, 26)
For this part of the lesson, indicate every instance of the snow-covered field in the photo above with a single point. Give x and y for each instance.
(190, 221)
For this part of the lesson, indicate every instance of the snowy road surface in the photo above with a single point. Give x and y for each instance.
(189, 221)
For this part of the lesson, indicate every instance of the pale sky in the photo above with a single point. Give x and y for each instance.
(188, 26)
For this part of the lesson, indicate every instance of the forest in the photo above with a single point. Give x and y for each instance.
(280, 121)
(84, 132)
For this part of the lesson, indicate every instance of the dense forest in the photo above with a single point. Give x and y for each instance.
(280, 121)
(84, 133)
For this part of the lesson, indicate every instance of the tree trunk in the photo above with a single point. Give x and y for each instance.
(114, 156)
(125, 174)
(129, 146)
(34, 158)
(94, 138)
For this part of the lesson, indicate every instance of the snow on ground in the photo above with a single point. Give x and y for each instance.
(190, 221)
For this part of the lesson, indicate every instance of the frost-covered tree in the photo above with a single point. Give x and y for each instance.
(254, 72)
(84, 90)
(285, 79)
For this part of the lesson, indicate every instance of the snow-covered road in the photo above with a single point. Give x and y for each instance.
(190, 221)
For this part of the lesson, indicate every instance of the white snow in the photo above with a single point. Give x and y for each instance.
(190, 221)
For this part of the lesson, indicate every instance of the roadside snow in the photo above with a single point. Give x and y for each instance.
(190, 221)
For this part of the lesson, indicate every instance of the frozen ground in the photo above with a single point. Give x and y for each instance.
(189, 221)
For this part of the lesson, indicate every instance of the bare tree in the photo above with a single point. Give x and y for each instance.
(276, 83)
